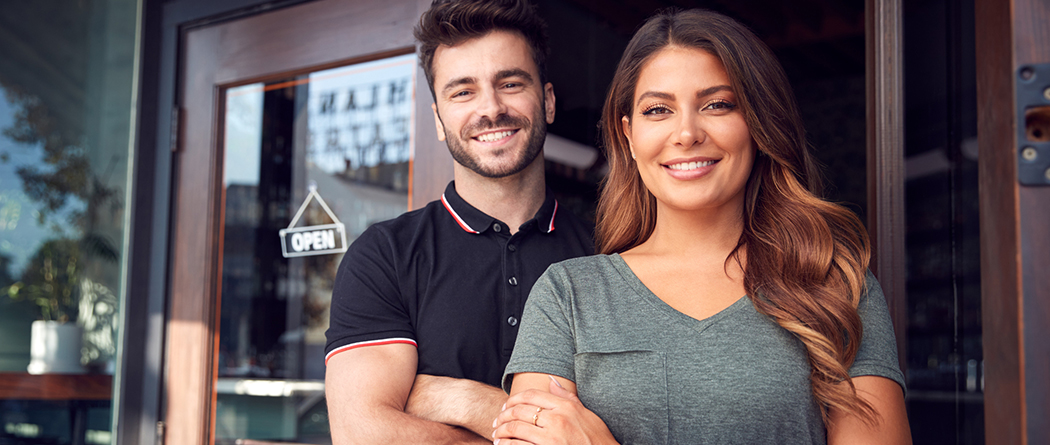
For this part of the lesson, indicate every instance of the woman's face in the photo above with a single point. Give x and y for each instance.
(688, 135)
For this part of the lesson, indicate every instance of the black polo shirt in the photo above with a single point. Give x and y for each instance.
(450, 280)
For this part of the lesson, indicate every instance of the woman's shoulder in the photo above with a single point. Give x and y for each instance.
(593, 273)
(872, 288)
(586, 265)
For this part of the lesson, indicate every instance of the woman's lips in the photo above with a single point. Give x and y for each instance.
(690, 169)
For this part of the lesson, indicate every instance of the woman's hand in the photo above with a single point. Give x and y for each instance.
(537, 417)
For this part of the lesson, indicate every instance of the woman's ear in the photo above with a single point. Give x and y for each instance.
(627, 134)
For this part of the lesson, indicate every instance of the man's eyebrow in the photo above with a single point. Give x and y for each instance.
(515, 72)
(457, 82)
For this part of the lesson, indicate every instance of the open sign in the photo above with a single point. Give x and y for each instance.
(313, 240)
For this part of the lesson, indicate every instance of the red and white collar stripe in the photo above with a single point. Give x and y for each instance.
(455, 215)
(550, 227)
(465, 226)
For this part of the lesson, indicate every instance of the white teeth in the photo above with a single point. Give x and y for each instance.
(494, 136)
(690, 165)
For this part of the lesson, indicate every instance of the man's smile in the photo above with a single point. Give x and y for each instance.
(495, 135)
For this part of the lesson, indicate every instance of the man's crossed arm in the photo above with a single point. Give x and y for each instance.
(375, 396)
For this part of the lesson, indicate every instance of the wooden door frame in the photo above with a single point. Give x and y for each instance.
(885, 156)
(1015, 245)
(253, 49)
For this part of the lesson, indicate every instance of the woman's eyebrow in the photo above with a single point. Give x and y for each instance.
(712, 90)
(655, 94)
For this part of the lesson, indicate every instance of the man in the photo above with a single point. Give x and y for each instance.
(426, 306)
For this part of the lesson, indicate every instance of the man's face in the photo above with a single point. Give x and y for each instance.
(490, 108)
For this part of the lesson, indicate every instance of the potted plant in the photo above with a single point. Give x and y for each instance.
(50, 282)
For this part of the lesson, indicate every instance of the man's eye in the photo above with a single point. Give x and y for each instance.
(461, 94)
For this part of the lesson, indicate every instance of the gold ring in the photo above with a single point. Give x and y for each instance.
(536, 416)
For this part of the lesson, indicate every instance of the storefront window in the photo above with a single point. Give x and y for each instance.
(65, 124)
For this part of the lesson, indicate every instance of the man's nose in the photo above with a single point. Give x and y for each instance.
(491, 104)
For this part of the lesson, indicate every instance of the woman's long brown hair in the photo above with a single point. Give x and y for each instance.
(806, 259)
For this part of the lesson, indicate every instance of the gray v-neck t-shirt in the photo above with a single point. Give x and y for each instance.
(656, 375)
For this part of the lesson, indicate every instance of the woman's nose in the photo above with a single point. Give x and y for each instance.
(690, 131)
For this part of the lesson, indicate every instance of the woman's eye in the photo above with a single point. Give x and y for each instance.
(721, 105)
(655, 110)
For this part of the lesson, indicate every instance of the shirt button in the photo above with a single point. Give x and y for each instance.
(513, 281)
(496, 227)
(512, 321)
(512, 248)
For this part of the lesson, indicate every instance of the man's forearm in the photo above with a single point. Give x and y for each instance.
(460, 402)
(367, 389)
(387, 425)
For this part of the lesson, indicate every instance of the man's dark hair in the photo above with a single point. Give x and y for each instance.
(451, 22)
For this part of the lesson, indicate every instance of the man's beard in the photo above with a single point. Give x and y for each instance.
(533, 146)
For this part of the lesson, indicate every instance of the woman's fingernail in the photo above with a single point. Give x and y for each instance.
(494, 423)
(555, 381)
(504, 408)
(495, 442)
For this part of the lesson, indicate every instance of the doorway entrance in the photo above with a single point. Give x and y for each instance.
(298, 130)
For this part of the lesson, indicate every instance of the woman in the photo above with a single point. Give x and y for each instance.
(731, 305)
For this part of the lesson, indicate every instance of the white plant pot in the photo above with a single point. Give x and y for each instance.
(55, 348)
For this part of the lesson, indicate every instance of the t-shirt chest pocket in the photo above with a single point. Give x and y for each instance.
(628, 390)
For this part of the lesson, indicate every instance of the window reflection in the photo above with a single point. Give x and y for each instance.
(65, 127)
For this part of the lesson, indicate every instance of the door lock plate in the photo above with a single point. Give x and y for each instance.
(1033, 126)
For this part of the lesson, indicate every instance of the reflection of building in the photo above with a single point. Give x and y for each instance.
(392, 176)
(361, 115)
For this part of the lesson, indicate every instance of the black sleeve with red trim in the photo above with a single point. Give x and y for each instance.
(367, 306)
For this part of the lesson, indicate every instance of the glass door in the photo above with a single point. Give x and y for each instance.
(310, 162)
(297, 128)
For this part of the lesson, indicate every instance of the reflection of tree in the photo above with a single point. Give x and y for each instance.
(62, 180)
(65, 175)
